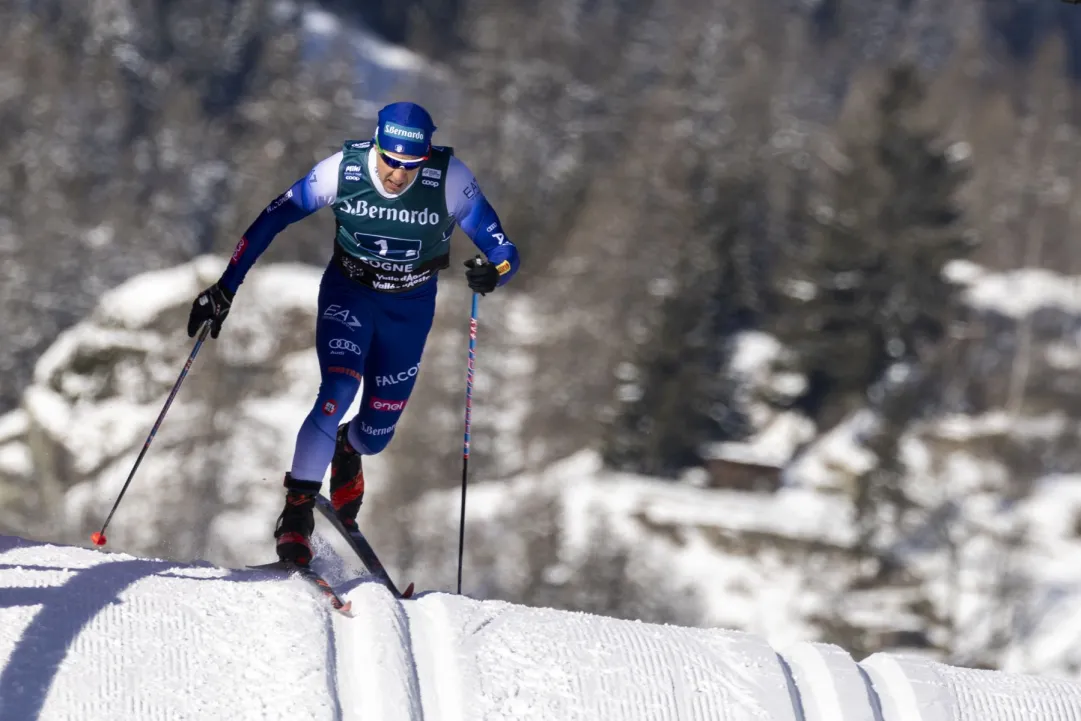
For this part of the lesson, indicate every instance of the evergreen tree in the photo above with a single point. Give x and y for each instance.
(863, 288)
(864, 306)
(676, 396)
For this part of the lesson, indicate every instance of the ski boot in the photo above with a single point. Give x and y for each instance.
(346, 480)
(296, 522)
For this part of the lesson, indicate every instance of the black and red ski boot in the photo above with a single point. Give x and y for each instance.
(296, 522)
(346, 480)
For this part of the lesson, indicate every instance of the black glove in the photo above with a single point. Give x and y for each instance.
(481, 276)
(211, 305)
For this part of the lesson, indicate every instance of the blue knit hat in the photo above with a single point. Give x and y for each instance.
(405, 128)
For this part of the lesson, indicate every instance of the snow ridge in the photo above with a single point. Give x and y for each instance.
(829, 679)
(377, 677)
(333, 672)
(435, 660)
(89, 635)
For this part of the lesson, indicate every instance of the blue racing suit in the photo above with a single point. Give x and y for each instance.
(365, 335)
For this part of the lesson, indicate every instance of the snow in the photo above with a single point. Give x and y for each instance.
(1064, 356)
(1016, 293)
(13, 425)
(88, 635)
(913, 688)
(1052, 513)
(725, 546)
(758, 361)
(774, 445)
(320, 22)
(142, 299)
(837, 455)
(963, 272)
(377, 56)
(672, 526)
(15, 460)
(1055, 503)
(99, 388)
(754, 351)
(826, 676)
(962, 428)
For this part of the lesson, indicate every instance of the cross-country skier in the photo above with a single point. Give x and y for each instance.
(396, 199)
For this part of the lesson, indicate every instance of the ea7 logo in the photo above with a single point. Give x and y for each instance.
(338, 346)
(378, 404)
(341, 315)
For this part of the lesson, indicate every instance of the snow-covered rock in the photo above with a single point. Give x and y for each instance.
(224, 444)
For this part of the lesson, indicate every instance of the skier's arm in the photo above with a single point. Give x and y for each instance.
(478, 219)
(316, 190)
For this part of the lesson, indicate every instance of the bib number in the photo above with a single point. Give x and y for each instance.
(389, 248)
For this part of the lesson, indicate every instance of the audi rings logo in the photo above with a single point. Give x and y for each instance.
(339, 346)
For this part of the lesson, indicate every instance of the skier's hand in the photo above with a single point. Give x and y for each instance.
(211, 305)
(481, 275)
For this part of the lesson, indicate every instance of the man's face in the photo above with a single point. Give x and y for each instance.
(395, 180)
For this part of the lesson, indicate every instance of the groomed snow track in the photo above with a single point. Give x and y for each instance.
(88, 635)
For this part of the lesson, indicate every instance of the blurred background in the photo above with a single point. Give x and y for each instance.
(794, 347)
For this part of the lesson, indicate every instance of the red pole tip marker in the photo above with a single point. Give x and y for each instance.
(98, 538)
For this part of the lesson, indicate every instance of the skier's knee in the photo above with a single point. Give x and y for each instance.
(367, 439)
(374, 444)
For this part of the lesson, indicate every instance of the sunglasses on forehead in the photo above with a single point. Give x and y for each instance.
(403, 164)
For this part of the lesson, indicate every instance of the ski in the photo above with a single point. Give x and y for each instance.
(313, 578)
(362, 548)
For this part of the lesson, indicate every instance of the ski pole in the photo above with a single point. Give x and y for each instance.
(468, 423)
(99, 537)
